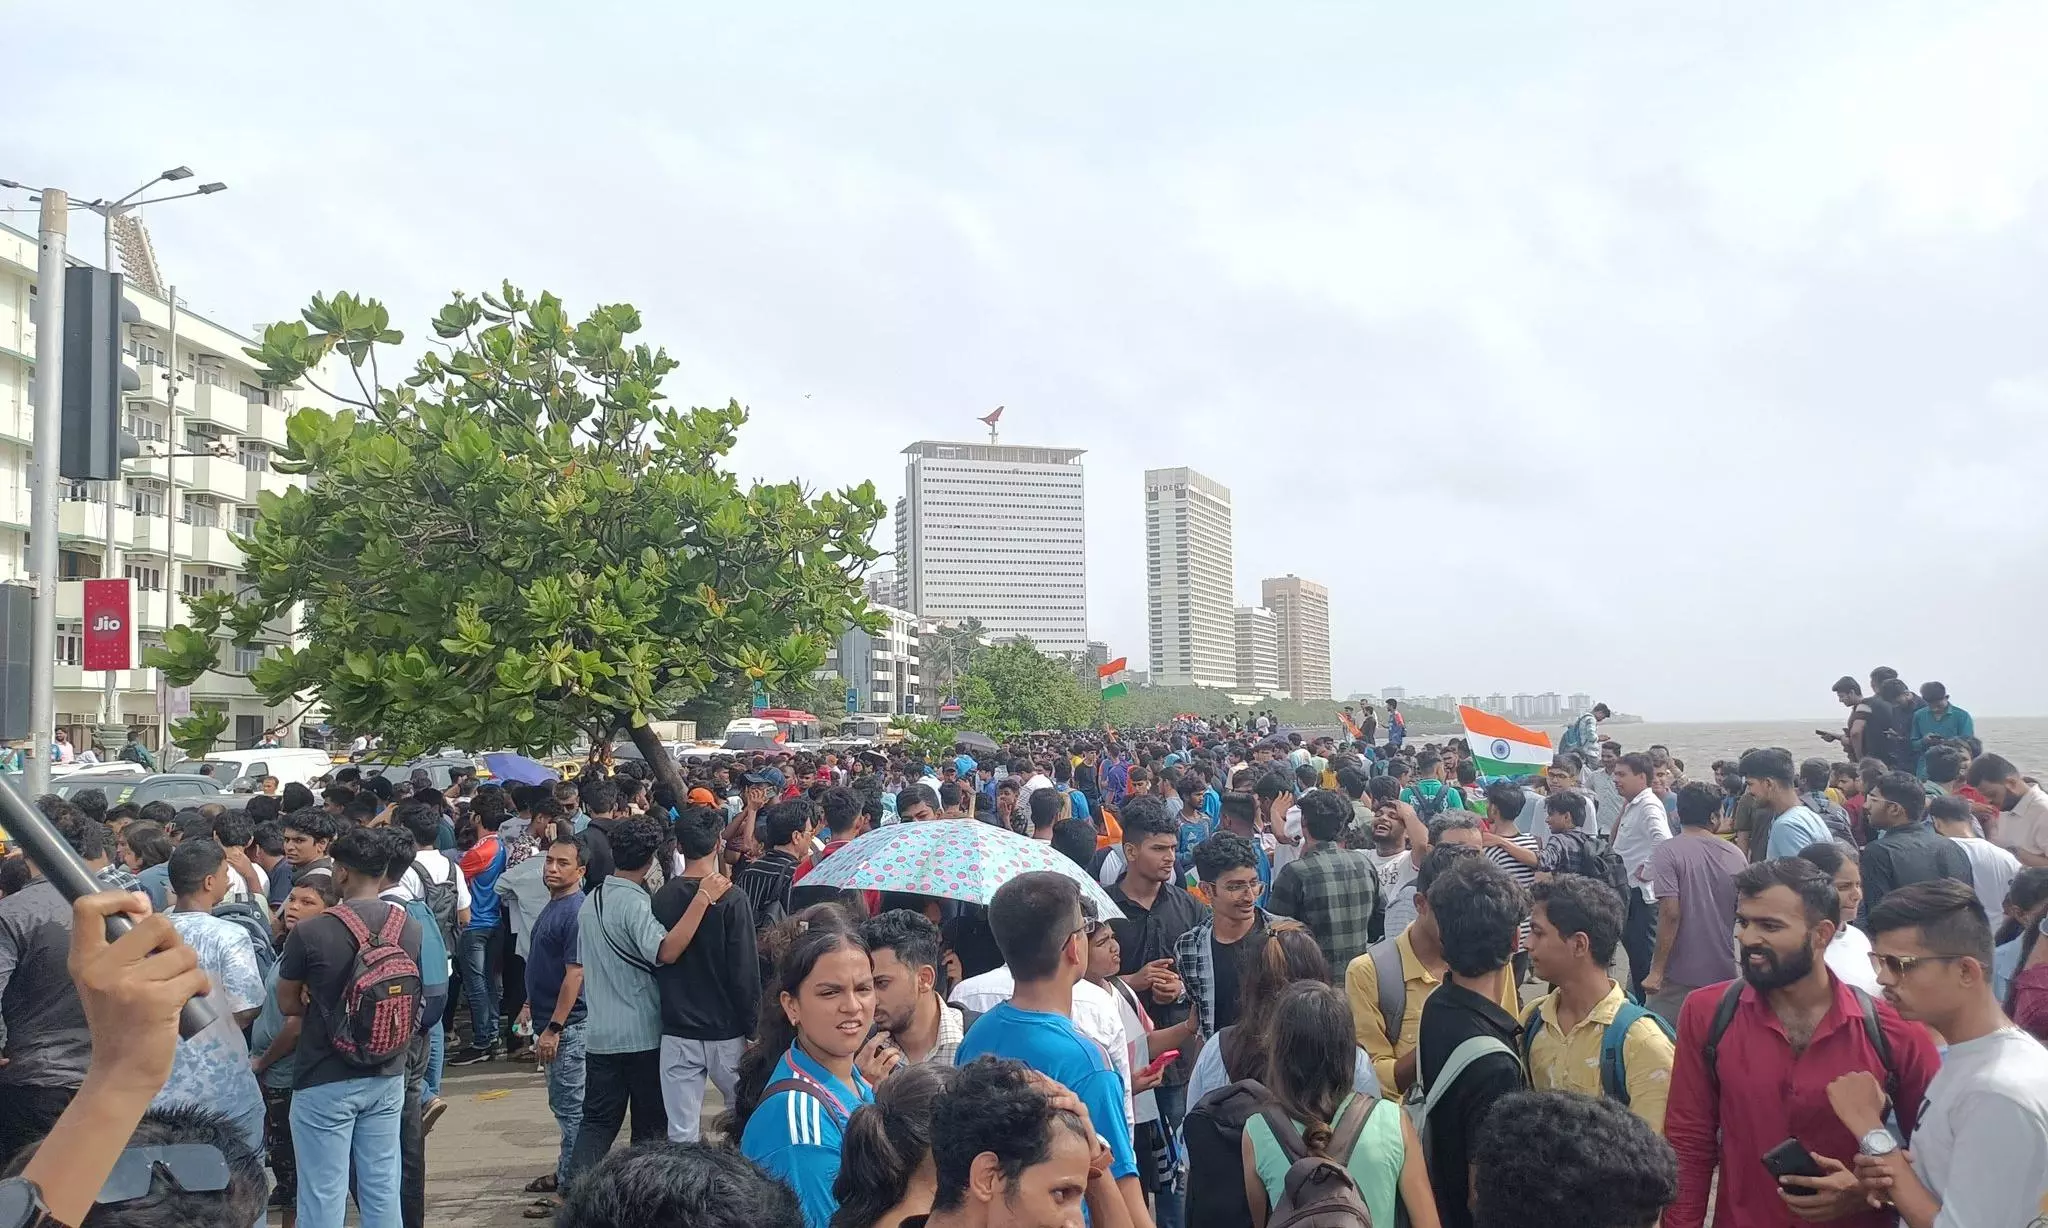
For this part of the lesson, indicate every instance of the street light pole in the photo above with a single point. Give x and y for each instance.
(110, 696)
(42, 527)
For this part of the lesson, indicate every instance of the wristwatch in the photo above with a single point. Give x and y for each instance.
(21, 1206)
(1878, 1142)
(553, 1028)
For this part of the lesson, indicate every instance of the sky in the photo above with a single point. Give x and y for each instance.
(1692, 358)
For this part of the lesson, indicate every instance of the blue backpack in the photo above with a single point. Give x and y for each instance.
(1613, 1071)
(433, 963)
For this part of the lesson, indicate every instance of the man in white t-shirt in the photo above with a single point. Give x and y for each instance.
(1979, 1154)
(1991, 867)
(429, 865)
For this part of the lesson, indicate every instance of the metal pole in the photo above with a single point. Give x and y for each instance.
(44, 489)
(163, 688)
(110, 696)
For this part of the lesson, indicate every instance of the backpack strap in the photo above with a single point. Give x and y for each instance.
(1392, 985)
(1532, 1027)
(1613, 1066)
(1724, 1014)
(393, 929)
(803, 1088)
(352, 923)
(1873, 1029)
(1468, 1051)
(1349, 1127)
(1284, 1132)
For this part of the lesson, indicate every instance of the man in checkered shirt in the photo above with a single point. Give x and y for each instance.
(1333, 890)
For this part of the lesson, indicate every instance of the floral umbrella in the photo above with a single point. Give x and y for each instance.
(952, 859)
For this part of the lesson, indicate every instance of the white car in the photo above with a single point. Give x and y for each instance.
(290, 764)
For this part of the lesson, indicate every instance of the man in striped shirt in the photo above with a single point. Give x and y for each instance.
(1513, 851)
(785, 832)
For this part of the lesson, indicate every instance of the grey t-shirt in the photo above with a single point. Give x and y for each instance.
(1982, 1142)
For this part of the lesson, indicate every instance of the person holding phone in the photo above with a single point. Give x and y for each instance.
(1151, 1051)
(1755, 1058)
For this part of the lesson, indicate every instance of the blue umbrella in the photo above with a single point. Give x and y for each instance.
(518, 769)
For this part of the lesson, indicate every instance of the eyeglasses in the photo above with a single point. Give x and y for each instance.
(198, 1168)
(1249, 886)
(1900, 965)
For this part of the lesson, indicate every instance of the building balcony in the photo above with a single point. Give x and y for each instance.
(215, 685)
(216, 406)
(265, 479)
(209, 544)
(266, 422)
(156, 383)
(219, 476)
(78, 678)
(79, 519)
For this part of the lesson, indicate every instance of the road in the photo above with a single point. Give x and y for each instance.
(496, 1136)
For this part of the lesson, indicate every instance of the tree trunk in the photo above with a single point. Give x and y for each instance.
(651, 749)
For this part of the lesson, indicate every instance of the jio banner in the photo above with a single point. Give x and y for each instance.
(109, 633)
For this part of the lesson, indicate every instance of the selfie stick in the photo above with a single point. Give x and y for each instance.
(67, 872)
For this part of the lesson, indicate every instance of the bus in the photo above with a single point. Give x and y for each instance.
(781, 724)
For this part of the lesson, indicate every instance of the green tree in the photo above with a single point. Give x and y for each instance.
(944, 654)
(1013, 687)
(524, 541)
(930, 740)
(200, 732)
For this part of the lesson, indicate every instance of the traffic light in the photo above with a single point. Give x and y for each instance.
(97, 376)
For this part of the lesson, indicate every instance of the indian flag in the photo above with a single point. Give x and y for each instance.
(1112, 686)
(1503, 748)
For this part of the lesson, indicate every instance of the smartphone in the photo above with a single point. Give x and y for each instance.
(1161, 1062)
(1791, 1159)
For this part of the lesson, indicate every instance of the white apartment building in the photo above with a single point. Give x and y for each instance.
(996, 532)
(1303, 607)
(1258, 650)
(1192, 623)
(172, 518)
(880, 667)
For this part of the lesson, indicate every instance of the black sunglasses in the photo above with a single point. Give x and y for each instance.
(186, 1167)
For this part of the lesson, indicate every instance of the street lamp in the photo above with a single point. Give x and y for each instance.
(110, 696)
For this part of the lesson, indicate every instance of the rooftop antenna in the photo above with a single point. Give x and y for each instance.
(991, 420)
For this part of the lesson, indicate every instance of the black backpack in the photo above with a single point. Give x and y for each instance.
(1214, 1137)
(1873, 1031)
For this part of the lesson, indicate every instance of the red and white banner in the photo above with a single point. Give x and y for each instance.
(109, 625)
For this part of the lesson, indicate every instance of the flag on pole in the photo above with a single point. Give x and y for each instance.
(1115, 689)
(1502, 748)
(1112, 669)
(1111, 685)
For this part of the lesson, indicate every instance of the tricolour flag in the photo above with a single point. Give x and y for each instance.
(1501, 747)
(1113, 668)
(1115, 689)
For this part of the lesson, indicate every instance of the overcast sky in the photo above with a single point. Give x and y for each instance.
(1690, 362)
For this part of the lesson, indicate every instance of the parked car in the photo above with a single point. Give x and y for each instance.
(242, 771)
(440, 769)
(141, 788)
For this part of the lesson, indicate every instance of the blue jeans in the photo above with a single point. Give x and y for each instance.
(472, 952)
(437, 1060)
(334, 1123)
(565, 1096)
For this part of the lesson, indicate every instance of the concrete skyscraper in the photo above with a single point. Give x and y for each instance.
(1258, 650)
(995, 532)
(1192, 631)
(1303, 609)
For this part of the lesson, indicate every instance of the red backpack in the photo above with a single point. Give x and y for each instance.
(381, 1001)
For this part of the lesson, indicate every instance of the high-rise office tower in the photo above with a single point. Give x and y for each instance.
(1303, 609)
(995, 532)
(1258, 650)
(1188, 576)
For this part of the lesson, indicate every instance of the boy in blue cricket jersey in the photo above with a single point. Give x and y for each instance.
(1042, 929)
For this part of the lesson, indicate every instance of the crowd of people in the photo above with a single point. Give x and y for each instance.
(1279, 977)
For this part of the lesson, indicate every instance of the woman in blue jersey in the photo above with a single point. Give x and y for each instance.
(799, 1082)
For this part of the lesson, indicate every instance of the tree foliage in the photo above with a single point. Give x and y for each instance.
(1013, 688)
(524, 541)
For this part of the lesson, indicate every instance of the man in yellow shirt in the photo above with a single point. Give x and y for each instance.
(1574, 927)
(1420, 954)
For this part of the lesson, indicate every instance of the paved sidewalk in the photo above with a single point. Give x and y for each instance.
(495, 1137)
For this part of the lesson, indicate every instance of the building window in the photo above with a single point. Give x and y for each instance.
(204, 515)
(255, 457)
(197, 585)
(70, 643)
(146, 501)
(247, 659)
(146, 354)
(147, 577)
(256, 393)
(245, 521)
(142, 426)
